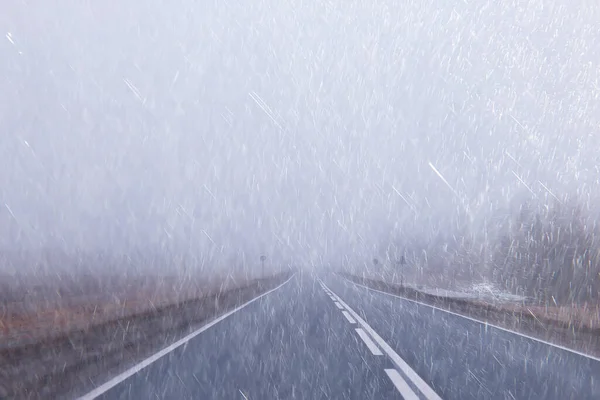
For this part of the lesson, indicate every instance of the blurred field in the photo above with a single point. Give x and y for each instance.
(38, 303)
(576, 316)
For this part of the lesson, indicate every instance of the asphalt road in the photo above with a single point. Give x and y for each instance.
(331, 339)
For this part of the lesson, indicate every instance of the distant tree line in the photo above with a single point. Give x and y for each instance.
(550, 253)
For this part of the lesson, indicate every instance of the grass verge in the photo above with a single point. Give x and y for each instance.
(67, 364)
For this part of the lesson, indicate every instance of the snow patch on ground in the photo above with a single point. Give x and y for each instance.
(485, 291)
(489, 290)
(481, 291)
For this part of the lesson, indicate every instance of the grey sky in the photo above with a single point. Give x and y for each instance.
(305, 130)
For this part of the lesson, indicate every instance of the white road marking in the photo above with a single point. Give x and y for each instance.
(487, 324)
(338, 305)
(136, 368)
(405, 390)
(427, 391)
(348, 317)
(372, 346)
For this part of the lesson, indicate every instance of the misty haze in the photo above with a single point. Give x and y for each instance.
(291, 199)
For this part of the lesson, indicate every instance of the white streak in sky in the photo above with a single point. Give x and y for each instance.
(208, 236)
(442, 178)
(175, 78)
(10, 211)
(512, 158)
(517, 122)
(549, 191)
(10, 39)
(264, 107)
(135, 90)
(405, 200)
(523, 182)
(209, 192)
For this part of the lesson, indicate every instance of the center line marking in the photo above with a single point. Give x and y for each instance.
(338, 305)
(348, 317)
(427, 391)
(372, 346)
(405, 390)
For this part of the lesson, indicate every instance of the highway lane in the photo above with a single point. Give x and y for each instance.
(332, 339)
(463, 359)
(293, 343)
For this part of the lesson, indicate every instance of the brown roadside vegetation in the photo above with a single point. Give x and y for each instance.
(51, 313)
(51, 292)
(70, 350)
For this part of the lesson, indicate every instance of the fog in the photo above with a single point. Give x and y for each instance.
(317, 133)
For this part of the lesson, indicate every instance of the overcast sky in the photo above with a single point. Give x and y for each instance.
(305, 130)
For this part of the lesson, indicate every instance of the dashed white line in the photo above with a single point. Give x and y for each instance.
(338, 305)
(138, 367)
(372, 346)
(348, 317)
(427, 391)
(405, 390)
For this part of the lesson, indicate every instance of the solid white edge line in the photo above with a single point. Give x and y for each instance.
(138, 367)
(338, 305)
(427, 391)
(372, 346)
(481, 322)
(400, 384)
(348, 317)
